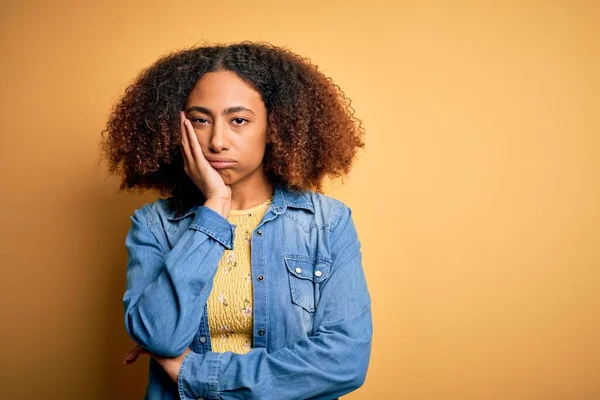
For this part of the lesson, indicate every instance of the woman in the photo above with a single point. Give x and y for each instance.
(246, 281)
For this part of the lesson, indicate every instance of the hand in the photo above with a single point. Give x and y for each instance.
(206, 178)
(170, 365)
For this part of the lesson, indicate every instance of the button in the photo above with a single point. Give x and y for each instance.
(260, 277)
(202, 339)
(298, 270)
(259, 233)
(261, 332)
(318, 273)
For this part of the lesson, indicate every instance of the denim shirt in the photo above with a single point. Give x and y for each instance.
(312, 323)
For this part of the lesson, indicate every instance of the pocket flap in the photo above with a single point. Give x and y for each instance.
(315, 270)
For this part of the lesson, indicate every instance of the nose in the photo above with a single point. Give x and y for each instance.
(217, 137)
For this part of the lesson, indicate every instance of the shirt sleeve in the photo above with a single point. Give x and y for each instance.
(166, 290)
(331, 362)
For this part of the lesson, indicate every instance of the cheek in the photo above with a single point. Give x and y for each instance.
(255, 155)
(256, 146)
(260, 147)
(203, 139)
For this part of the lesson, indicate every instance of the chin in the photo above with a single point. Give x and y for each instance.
(227, 178)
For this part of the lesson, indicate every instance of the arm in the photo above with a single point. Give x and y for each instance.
(330, 363)
(166, 290)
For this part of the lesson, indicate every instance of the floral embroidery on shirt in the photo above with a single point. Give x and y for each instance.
(222, 299)
(247, 310)
(230, 261)
(231, 303)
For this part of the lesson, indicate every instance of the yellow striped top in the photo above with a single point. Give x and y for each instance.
(230, 301)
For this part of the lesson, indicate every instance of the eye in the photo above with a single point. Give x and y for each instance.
(239, 121)
(199, 119)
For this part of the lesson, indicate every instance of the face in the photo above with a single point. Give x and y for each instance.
(230, 122)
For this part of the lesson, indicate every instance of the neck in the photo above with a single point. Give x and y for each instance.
(251, 192)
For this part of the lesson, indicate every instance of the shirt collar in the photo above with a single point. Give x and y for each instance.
(282, 199)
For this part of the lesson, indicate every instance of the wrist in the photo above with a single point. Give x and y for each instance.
(219, 205)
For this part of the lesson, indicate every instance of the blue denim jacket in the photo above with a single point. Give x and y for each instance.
(312, 311)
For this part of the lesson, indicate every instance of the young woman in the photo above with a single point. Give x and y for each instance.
(246, 281)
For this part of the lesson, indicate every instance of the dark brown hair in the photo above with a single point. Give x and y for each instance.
(311, 126)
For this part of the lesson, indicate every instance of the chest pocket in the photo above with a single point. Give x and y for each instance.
(305, 276)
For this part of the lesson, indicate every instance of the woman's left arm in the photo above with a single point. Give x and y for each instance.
(331, 362)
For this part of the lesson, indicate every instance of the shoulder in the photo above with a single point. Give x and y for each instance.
(338, 223)
(157, 211)
(332, 210)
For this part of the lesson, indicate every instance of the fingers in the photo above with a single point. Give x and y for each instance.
(185, 148)
(133, 354)
(196, 166)
(191, 148)
(194, 146)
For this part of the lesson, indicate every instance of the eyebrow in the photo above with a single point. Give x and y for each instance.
(226, 111)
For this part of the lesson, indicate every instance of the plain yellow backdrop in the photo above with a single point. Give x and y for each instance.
(477, 197)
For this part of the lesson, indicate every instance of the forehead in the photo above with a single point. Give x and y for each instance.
(225, 88)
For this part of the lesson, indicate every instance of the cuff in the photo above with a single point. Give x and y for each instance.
(214, 225)
(198, 376)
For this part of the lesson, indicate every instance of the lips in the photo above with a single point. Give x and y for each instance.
(224, 159)
(221, 164)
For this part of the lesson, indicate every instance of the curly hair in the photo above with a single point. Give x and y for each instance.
(311, 125)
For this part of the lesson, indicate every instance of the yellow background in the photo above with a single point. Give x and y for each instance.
(477, 198)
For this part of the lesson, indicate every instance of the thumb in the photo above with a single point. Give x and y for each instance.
(133, 354)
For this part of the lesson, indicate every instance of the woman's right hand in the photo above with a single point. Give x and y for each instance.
(206, 178)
